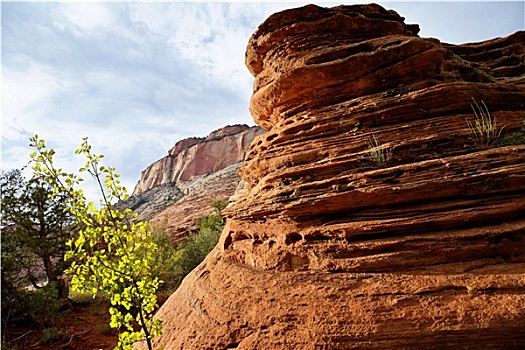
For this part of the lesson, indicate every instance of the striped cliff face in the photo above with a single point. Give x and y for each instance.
(369, 213)
(175, 190)
(192, 158)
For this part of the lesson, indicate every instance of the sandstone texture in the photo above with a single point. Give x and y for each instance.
(325, 248)
(177, 189)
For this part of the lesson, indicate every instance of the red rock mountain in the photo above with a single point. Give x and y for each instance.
(328, 247)
(195, 157)
(178, 188)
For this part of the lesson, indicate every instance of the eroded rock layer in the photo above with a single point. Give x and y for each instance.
(326, 247)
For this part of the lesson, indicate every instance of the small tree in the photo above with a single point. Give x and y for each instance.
(112, 254)
(40, 225)
(34, 235)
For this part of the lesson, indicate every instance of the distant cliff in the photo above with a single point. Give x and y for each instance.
(177, 189)
(194, 157)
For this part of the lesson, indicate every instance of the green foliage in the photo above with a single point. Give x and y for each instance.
(166, 260)
(112, 254)
(378, 154)
(483, 129)
(43, 303)
(36, 229)
(196, 247)
(517, 138)
(176, 263)
(38, 306)
(51, 335)
(512, 140)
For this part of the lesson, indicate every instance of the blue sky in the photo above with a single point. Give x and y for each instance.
(135, 77)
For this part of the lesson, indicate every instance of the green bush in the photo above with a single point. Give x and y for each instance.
(166, 259)
(512, 140)
(195, 249)
(38, 306)
(517, 138)
(177, 262)
(51, 335)
(43, 303)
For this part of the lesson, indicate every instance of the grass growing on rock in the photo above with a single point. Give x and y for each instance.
(378, 154)
(484, 128)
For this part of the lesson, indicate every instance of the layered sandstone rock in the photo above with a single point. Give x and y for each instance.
(326, 249)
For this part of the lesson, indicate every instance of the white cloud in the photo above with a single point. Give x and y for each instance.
(458, 22)
(85, 16)
(26, 94)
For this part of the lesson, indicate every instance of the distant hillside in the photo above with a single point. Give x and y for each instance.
(175, 190)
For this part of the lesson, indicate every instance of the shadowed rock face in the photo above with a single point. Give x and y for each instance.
(326, 249)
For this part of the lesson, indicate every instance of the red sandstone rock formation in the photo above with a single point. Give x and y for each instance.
(323, 249)
(194, 157)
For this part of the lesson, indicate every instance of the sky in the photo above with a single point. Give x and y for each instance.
(136, 77)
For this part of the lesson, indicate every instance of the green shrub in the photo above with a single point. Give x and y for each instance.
(517, 138)
(44, 303)
(512, 140)
(166, 259)
(38, 306)
(198, 246)
(177, 262)
(51, 335)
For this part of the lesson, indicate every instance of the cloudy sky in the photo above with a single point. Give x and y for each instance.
(135, 77)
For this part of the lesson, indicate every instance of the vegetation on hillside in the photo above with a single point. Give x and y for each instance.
(177, 263)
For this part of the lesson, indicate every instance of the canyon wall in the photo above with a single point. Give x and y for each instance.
(177, 189)
(194, 157)
(368, 215)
